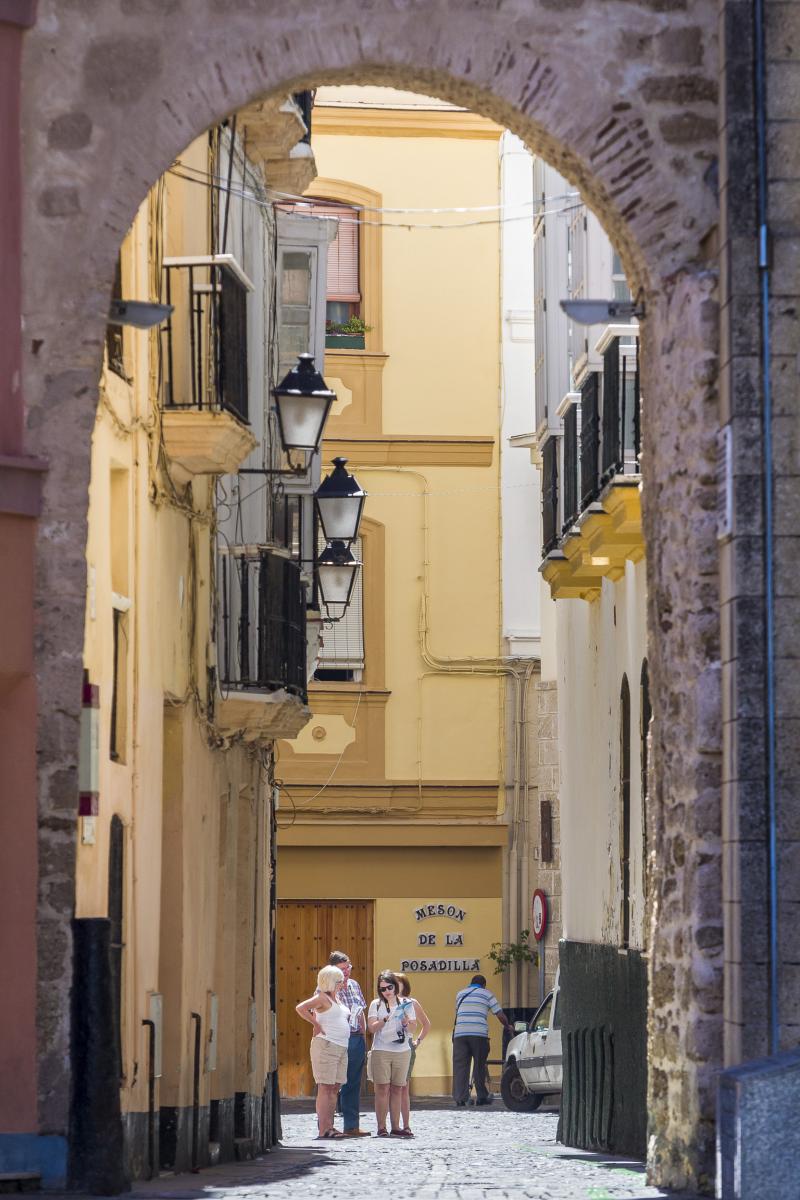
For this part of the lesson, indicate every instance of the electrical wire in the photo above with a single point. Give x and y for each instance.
(406, 225)
(320, 202)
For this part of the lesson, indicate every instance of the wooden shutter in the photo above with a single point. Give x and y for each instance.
(343, 281)
(343, 271)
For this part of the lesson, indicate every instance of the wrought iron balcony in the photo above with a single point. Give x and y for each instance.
(204, 365)
(205, 338)
(262, 640)
(550, 496)
(621, 410)
(595, 485)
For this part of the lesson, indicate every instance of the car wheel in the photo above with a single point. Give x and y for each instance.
(516, 1096)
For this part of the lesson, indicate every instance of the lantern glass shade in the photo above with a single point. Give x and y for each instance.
(336, 575)
(340, 503)
(303, 401)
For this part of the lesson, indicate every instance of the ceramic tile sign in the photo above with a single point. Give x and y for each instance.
(446, 938)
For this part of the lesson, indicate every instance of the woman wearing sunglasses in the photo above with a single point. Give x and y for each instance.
(388, 1020)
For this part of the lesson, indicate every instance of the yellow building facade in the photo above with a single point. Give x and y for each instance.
(391, 828)
(174, 902)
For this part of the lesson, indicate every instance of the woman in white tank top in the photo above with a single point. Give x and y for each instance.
(329, 1043)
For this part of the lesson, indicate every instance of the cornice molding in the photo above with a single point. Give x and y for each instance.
(406, 450)
(395, 122)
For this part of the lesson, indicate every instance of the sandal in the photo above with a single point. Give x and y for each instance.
(405, 1133)
(381, 1133)
(329, 1135)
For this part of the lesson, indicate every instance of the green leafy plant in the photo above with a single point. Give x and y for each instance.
(505, 954)
(353, 325)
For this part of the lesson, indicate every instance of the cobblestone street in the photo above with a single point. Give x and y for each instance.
(456, 1155)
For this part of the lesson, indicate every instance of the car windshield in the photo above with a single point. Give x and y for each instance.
(542, 1018)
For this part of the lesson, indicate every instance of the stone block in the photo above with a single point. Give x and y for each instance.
(783, 83)
(783, 32)
(783, 151)
(784, 206)
(680, 46)
(788, 806)
(745, 384)
(758, 1136)
(787, 565)
(787, 505)
(785, 381)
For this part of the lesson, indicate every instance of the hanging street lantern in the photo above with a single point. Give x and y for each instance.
(340, 503)
(336, 575)
(303, 401)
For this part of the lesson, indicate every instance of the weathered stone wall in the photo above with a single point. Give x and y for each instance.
(685, 941)
(783, 214)
(745, 821)
(621, 98)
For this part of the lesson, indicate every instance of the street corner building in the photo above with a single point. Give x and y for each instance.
(392, 831)
(195, 661)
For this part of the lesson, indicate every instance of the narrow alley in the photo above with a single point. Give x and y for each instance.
(455, 1156)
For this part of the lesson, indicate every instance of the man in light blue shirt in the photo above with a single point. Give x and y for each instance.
(471, 1039)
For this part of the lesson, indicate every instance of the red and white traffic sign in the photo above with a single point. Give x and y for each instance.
(539, 911)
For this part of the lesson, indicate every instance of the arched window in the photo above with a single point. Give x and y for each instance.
(116, 885)
(625, 806)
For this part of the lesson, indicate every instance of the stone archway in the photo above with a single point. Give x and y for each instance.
(621, 98)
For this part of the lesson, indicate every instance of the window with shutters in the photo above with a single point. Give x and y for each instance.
(344, 283)
(343, 292)
(341, 654)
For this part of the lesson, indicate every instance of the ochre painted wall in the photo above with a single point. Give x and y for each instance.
(195, 829)
(400, 879)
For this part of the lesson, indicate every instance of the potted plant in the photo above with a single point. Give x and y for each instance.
(348, 335)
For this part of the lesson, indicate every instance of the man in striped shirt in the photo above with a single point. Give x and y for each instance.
(471, 1039)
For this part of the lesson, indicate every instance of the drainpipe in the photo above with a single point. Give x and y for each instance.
(769, 522)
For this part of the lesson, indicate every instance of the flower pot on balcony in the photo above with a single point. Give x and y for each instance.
(344, 341)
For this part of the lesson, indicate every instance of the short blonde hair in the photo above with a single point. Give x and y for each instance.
(329, 979)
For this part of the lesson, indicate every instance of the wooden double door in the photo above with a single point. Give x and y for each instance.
(307, 931)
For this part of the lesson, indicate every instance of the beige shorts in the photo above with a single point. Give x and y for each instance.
(390, 1066)
(328, 1061)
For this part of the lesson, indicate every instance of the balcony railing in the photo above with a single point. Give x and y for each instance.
(621, 410)
(262, 622)
(607, 446)
(571, 465)
(205, 338)
(550, 495)
(590, 440)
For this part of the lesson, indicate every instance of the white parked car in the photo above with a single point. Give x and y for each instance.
(533, 1063)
